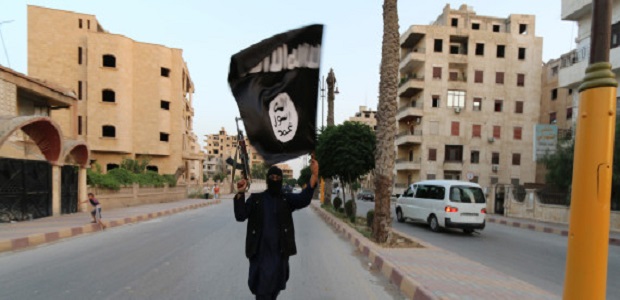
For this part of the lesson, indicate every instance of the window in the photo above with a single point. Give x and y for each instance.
(520, 79)
(496, 28)
(165, 105)
(88, 24)
(554, 94)
(499, 77)
(570, 91)
(456, 98)
(109, 61)
(516, 159)
(152, 168)
(477, 104)
(501, 49)
(79, 123)
(108, 96)
(569, 113)
(454, 129)
(516, 133)
(80, 23)
(499, 105)
(80, 90)
(475, 157)
(108, 131)
(475, 130)
(435, 101)
(79, 55)
(495, 158)
(552, 118)
(519, 107)
(475, 26)
(454, 22)
(110, 167)
(497, 132)
(163, 136)
(432, 154)
(454, 76)
(454, 153)
(436, 72)
(521, 53)
(454, 49)
(165, 72)
(479, 49)
(522, 28)
(478, 75)
(438, 47)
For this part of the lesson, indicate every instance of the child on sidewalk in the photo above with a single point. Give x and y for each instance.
(96, 212)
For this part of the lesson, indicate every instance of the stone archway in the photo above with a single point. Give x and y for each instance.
(73, 179)
(42, 130)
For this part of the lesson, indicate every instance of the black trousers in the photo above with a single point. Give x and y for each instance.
(268, 297)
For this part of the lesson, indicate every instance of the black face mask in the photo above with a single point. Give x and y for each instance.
(274, 187)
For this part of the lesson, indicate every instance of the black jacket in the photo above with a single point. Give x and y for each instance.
(252, 210)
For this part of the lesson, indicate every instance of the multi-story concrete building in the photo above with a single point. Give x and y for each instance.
(219, 147)
(469, 98)
(365, 116)
(134, 98)
(287, 172)
(573, 64)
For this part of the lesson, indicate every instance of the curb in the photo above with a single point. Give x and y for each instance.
(49, 237)
(407, 285)
(541, 228)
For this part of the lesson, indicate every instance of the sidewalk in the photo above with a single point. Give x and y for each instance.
(553, 228)
(434, 273)
(21, 235)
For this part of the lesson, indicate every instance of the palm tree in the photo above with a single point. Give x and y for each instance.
(386, 122)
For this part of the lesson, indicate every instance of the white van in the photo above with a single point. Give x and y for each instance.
(444, 203)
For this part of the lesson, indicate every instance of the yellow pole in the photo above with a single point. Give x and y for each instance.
(588, 236)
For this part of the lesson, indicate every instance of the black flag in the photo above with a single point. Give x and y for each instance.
(275, 84)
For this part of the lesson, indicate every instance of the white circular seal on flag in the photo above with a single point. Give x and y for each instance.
(283, 117)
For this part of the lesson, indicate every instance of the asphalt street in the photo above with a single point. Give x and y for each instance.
(197, 254)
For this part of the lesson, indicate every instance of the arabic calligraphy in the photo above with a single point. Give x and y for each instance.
(283, 117)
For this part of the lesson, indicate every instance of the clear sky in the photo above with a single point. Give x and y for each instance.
(210, 31)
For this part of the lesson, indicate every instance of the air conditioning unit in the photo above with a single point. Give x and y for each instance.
(495, 168)
(457, 110)
(491, 139)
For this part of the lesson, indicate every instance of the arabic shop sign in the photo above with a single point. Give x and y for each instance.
(545, 140)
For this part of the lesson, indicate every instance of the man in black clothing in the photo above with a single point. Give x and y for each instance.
(270, 236)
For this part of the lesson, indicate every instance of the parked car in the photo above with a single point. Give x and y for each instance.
(366, 195)
(444, 204)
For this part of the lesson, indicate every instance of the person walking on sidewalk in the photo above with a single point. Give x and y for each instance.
(216, 191)
(270, 236)
(96, 212)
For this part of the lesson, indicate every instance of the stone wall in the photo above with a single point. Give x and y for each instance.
(8, 98)
(532, 208)
(136, 195)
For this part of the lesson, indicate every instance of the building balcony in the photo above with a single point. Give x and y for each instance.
(404, 164)
(412, 36)
(573, 10)
(414, 110)
(574, 63)
(410, 85)
(408, 138)
(413, 59)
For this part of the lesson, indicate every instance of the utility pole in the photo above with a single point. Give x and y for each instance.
(3, 45)
(588, 236)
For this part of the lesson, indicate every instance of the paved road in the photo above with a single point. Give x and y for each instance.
(535, 257)
(197, 254)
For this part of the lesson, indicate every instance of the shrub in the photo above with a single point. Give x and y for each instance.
(151, 178)
(171, 180)
(350, 209)
(337, 203)
(109, 182)
(341, 210)
(370, 217)
(123, 176)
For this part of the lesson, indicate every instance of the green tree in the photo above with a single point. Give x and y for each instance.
(259, 171)
(219, 176)
(291, 181)
(304, 176)
(560, 166)
(346, 151)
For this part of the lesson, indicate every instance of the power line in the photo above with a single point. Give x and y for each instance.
(3, 45)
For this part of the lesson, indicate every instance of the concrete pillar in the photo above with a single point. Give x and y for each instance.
(82, 190)
(56, 180)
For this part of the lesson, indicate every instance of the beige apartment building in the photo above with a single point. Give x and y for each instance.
(469, 98)
(134, 98)
(366, 116)
(219, 147)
